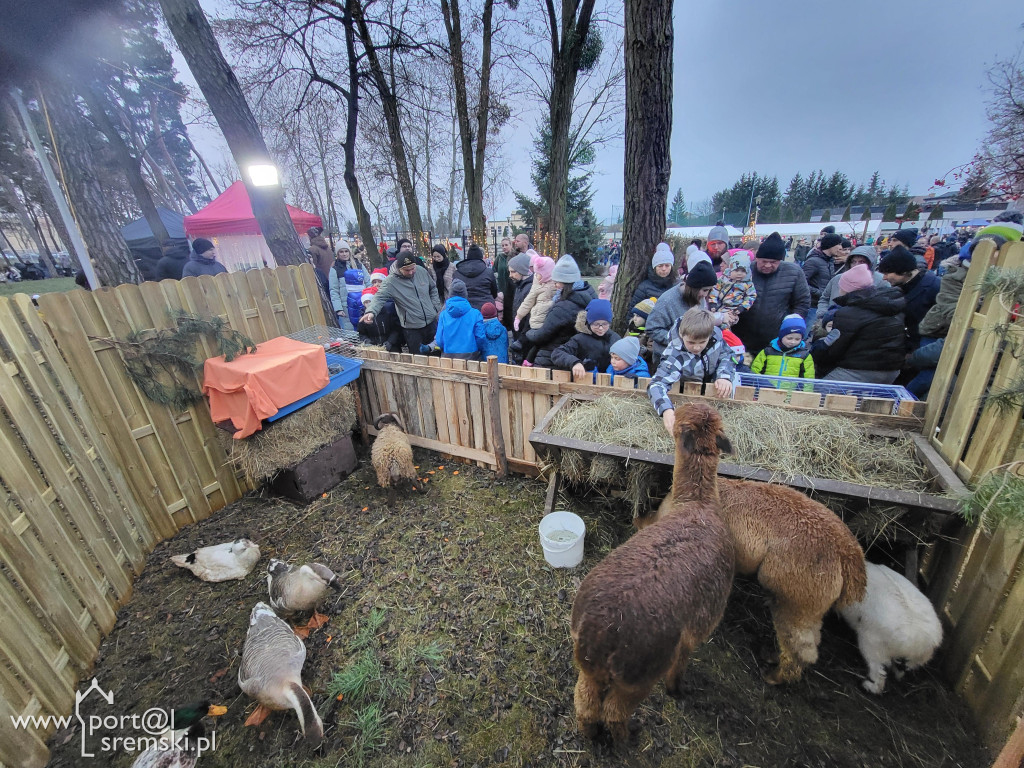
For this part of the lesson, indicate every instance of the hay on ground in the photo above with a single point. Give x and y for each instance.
(288, 441)
(784, 441)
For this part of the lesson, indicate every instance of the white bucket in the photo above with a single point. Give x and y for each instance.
(561, 538)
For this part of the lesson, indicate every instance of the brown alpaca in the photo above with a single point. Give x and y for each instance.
(639, 614)
(800, 551)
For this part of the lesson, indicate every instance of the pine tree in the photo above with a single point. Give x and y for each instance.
(876, 189)
(911, 213)
(937, 213)
(846, 214)
(826, 215)
(677, 209)
(890, 213)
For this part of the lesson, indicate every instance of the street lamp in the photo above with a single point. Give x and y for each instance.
(263, 175)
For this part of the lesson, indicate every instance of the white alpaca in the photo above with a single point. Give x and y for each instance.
(896, 626)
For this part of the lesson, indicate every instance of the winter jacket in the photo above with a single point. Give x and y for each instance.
(639, 368)
(936, 321)
(781, 293)
(921, 254)
(560, 324)
(170, 266)
(819, 268)
(670, 307)
(481, 287)
(773, 360)
(870, 325)
(500, 270)
(457, 328)
(714, 362)
(346, 287)
(522, 290)
(652, 287)
(385, 330)
(197, 265)
(825, 301)
(320, 251)
(593, 351)
(537, 302)
(415, 298)
(920, 292)
(444, 273)
(739, 295)
(492, 339)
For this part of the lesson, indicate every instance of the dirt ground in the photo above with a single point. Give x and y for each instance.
(456, 632)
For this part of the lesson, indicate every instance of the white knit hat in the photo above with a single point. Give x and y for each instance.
(694, 256)
(662, 255)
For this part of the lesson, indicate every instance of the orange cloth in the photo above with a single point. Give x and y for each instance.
(254, 387)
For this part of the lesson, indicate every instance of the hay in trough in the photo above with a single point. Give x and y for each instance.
(784, 441)
(288, 441)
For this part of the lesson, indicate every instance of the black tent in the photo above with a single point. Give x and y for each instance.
(144, 246)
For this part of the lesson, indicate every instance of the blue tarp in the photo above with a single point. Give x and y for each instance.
(140, 230)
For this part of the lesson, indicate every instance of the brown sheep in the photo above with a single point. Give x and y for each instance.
(640, 613)
(391, 456)
(800, 551)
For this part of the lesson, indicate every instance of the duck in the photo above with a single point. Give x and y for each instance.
(221, 562)
(179, 746)
(271, 672)
(297, 589)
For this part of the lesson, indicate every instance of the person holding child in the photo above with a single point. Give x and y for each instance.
(788, 354)
(696, 353)
(590, 348)
(693, 292)
(625, 359)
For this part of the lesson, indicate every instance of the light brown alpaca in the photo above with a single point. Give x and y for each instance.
(642, 610)
(800, 551)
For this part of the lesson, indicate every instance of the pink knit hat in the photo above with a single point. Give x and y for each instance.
(854, 279)
(544, 266)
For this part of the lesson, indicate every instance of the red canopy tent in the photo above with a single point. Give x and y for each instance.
(231, 214)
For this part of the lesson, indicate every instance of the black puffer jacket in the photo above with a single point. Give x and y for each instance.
(871, 337)
(920, 293)
(781, 293)
(593, 351)
(819, 268)
(652, 286)
(481, 287)
(560, 324)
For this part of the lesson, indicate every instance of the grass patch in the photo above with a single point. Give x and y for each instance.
(30, 287)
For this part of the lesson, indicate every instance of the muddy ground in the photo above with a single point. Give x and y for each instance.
(460, 633)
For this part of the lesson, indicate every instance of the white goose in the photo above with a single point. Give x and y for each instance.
(221, 562)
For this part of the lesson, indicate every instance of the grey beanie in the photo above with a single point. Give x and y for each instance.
(719, 233)
(662, 255)
(566, 271)
(459, 289)
(628, 348)
(520, 263)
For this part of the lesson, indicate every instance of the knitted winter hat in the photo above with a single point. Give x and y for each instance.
(898, 261)
(719, 232)
(772, 248)
(701, 276)
(694, 257)
(906, 236)
(201, 245)
(855, 278)
(627, 348)
(662, 255)
(439, 249)
(398, 245)
(520, 263)
(343, 246)
(829, 230)
(830, 241)
(405, 259)
(599, 309)
(545, 267)
(474, 252)
(367, 295)
(459, 289)
(378, 275)
(1008, 225)
(566, 271)
(792, 324)
(488, 310)
(315, 231)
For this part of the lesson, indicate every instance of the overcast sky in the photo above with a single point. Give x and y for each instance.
(797, 85)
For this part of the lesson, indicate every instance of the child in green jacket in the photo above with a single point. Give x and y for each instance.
(788, 355)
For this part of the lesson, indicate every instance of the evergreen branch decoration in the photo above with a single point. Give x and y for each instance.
(997, 499)
(1007, 285)
(163, 363)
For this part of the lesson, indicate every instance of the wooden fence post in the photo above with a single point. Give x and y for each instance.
(493, 399)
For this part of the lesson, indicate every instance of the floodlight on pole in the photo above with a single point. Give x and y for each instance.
(264, 175)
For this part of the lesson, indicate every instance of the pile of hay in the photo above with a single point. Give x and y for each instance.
(784, 441)
(288, 441)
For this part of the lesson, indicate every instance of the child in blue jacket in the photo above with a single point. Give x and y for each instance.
(456, 327)
(626, 360)
(491, 335)
(354, 286)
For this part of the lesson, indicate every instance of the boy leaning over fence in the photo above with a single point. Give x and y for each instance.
(696, 352)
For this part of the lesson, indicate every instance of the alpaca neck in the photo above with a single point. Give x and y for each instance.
(694, 478)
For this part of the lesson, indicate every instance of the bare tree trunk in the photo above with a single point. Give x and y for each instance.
(161, 145)
(648, 131)
(128, 164)
(75, 147)
(202, 162)
(25, 219)
(566, 49)
(195, 39)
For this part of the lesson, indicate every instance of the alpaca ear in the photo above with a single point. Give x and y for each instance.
(723, 443)
(687, 441)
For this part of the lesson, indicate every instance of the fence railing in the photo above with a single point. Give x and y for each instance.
(93, 475)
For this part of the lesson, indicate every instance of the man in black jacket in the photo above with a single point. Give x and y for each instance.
(781, 290)
(481, 285)
(820, 267)
(920, 287)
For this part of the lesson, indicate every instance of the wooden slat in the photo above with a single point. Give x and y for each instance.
(461, 412)
(21, 746)
(840, 402)
(805, 400)
(880, 405)
(745, 394)
(773, 396)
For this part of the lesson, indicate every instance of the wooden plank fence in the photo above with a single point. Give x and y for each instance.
(93, 474)
(977, 581)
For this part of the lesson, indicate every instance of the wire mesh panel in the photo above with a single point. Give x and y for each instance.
(823, 387)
